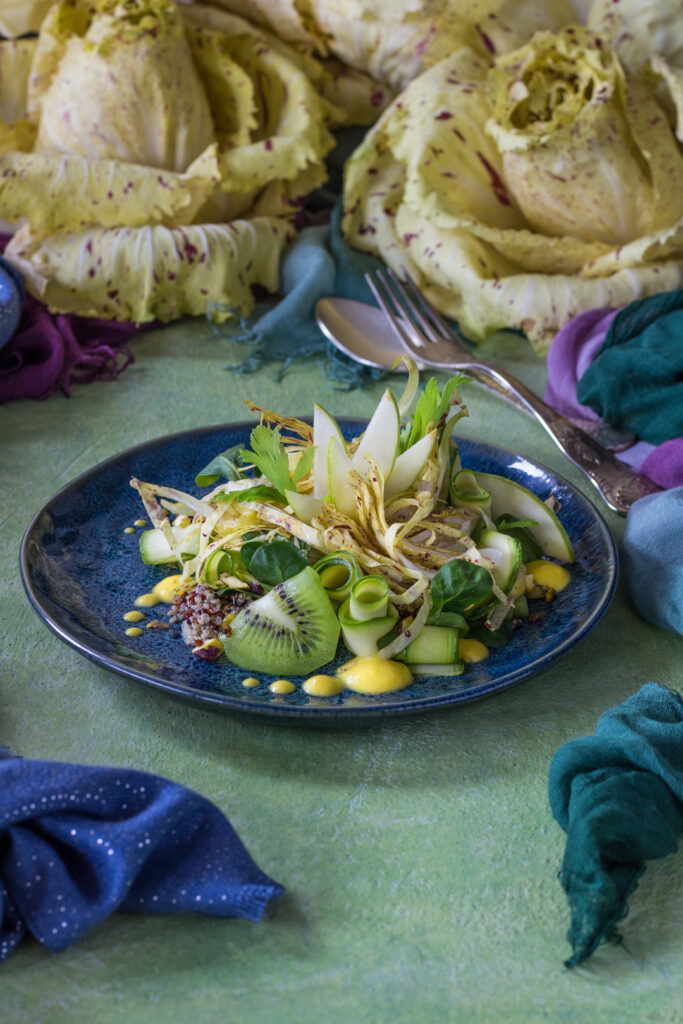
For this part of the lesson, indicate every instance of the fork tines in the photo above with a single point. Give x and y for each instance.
(413, 318)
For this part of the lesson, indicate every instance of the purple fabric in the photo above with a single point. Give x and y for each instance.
(664, 464)
(569, 356)
(49, 352)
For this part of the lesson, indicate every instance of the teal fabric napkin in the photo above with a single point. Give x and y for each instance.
(318, 263)
(652, 558)
(619, 797)
(636, 378)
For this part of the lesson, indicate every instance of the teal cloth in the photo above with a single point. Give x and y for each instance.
(652, 558)
(619, 797)
(636, 378)
(318, 263)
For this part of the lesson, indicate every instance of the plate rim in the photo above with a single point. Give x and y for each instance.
(337, 715)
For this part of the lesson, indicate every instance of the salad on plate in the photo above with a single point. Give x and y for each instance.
(384, 548)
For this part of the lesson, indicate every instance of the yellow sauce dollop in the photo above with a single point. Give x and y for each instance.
(129, 529)
(250, 682)
(282, 686)
(548, 574)
(471, 651)
(134, 631)
(323, 686)
(133, 616)
(146, 600)
(140, 522)
(375, 674)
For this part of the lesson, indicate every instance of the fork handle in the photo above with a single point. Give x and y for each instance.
(618, 485)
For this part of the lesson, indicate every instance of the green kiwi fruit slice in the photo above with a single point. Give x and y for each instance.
(291, 630)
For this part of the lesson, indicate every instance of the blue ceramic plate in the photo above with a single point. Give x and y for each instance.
(81, 572)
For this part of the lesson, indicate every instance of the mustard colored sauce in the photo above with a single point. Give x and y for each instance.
(282, 686)
(141, 522)
(129, 529)
(471, 651)
(133, 616)
(250, 682)
(548, 574)
(134, 631)
(146, 601)
(323, 686)
(375, 674)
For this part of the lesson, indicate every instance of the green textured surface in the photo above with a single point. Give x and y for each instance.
(419, 857)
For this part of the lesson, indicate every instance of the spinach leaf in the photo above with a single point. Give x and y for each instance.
(459, 585)
(275, 562)
(248, 550)
(441, 617)
(226, 464)
(491, 637)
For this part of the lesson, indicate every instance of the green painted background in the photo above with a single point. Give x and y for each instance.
(419, 857)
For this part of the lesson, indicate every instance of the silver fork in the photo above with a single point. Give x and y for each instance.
(427, 338)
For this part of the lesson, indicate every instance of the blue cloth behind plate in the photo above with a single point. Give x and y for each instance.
(78, 843)
(652, 558)
(619, 797)
(318, 263)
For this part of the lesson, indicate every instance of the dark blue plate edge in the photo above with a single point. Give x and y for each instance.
(325, 717)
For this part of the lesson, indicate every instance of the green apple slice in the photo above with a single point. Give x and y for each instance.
(409, 465)
(339, 483)
(324, 428)
(514, 499)
(380, 439)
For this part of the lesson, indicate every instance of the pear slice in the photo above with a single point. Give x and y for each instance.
(339, 484)
(509, 496)
(304, 506)
(380, 439)
(409, 465)
(324, 428)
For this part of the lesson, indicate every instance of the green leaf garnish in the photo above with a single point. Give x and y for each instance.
(270, 457)
(226, 464)
(432, 407)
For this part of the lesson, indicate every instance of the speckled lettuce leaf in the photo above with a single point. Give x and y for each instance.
(429, 190)
(152, 273)
(16, 130)
(640, 28)
(18, 17)
(67, 193)
(290, 130)
(586, 150)
(140, 99)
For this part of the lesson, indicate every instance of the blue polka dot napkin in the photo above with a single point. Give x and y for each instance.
(78, 843)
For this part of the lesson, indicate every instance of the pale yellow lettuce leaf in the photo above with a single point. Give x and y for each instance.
(152, 273)
(640, 28)
(128, 62)
(19, 17)
(67, 193)
(16, 130)
(430, 189)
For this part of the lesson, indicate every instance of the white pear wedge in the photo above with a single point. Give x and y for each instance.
(324, 428)
(409, 465)
(380, 439)
(339, 483)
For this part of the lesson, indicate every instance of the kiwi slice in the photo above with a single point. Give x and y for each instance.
(292, 630)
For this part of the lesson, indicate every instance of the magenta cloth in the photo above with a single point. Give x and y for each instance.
(51, 352)
(570, 355)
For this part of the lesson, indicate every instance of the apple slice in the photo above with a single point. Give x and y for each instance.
(409, 465)
(511, 497)
(339, 484)
(380, 439)
(324, 428)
